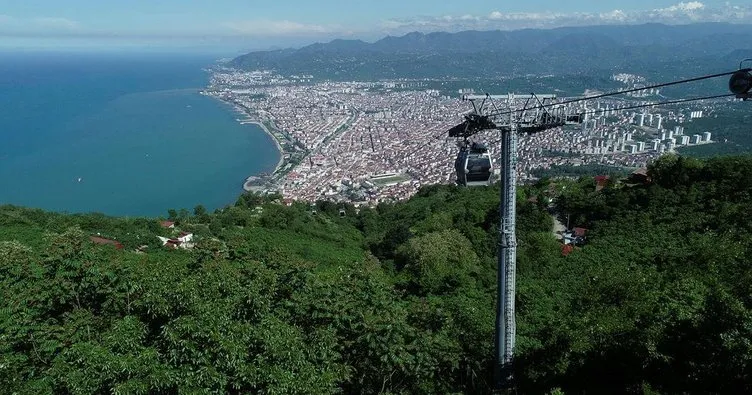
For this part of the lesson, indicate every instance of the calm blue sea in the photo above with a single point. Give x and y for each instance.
(132, 128)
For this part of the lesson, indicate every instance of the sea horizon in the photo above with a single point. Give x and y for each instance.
(121, 134)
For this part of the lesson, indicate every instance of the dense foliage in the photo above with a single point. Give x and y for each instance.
(396, 299)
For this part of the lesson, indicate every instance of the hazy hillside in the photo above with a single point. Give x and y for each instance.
(397, 299)
(573, 50)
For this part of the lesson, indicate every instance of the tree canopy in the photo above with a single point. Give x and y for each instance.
(395, 299)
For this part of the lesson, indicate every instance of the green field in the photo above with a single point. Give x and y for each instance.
(391, 180)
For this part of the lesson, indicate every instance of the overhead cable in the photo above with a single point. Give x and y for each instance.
(617, 93)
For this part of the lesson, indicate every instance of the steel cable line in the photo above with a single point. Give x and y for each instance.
(617, 93)
(592, 112)
(498, 113)
(662, 103)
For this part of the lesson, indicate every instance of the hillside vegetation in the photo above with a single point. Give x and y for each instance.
(397, 299)
(653, 49)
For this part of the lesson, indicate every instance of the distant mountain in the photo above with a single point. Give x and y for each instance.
(570, 50)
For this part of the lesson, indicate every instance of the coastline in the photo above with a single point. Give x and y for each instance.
(266, 130)
(248, 184)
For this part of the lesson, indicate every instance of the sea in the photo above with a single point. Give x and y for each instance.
(121, 134)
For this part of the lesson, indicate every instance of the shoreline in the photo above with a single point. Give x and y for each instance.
(274, 138)
(250, 120)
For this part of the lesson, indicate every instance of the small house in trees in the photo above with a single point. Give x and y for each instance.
(184, 241)
(576, 236)
(167, 224)
(639, 176)
(601, 182)
(103, 241)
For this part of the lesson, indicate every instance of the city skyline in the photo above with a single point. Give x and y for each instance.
(241, 26)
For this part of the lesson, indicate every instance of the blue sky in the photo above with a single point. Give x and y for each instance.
(248, 24)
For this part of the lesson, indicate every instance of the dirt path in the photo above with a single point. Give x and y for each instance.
(559, 228)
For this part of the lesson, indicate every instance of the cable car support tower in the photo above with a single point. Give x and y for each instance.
(523, 114)
(528, 114)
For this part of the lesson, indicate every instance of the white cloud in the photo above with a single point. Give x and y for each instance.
(39, 25)
(683, 12)
(690, 6)
(55, 23)
(504, 19)
(278, 28)
(615, 15)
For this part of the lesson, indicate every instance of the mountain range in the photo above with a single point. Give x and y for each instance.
(678, 49)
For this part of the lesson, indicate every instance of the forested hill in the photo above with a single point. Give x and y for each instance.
(398, 299)
(683, 50)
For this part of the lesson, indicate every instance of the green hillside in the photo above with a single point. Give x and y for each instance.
(397, 299)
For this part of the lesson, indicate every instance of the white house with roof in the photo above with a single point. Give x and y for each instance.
(184, 241)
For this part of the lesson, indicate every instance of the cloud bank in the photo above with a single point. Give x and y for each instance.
(681, 13)
(269, 30)
(40, 25)
(278, 28)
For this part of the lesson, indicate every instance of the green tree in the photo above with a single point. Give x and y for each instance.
(440, 262)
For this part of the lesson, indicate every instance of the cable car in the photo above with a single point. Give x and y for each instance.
(741, 83)
(473, 165)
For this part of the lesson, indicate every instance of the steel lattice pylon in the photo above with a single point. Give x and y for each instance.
(530, 117)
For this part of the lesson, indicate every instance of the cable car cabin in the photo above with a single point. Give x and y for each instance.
(473, 166)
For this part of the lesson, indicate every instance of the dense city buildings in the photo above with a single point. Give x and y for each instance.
(368, 142)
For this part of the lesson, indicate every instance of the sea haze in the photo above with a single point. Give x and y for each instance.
(133, 128)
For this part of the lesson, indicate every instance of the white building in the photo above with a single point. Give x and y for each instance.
(656, 144)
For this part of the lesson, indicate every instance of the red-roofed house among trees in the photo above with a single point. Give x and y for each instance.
(102, 241)
(167, 224)
(576, 236)
(601, 182)
(184, 241)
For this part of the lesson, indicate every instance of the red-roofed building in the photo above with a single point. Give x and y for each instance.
(601, 182)
(167, 224)
(185, 240)
(103, 241)
(576, 236)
